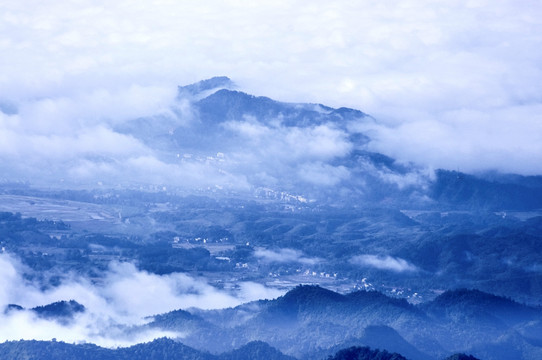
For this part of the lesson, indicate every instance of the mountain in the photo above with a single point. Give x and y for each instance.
(61, 311)
(164, 349)
(311, 322)
(305, 149)
(201, 87)
(510, 345)
(52, 350)
(159, 349)
(255, 350)
(365, 353)
(461, 357)
(376, 337)
(481, 307)
(305, 300)
(227, 105)
(309, 150)
(304, 320)
(498, 192)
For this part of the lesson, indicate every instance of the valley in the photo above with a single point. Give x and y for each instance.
(270, 227)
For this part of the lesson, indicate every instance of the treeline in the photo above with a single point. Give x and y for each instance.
(167, 349)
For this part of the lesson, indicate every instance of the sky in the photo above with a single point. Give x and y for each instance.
(453, 85)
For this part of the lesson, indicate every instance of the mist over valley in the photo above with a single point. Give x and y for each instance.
(282, 180)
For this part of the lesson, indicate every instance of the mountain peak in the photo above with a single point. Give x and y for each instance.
(365, 353)
(205, 86)
(310, 294)
(461, 357)
(471, 296)
(59, 310)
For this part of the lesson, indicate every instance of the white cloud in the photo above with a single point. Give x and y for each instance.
(456, 85)
(250, 291)
(268, 152)
(418, 177)
(469, 140)
(292, 144)
(90, 141)
(125, 297)
(384, 263)
(318, 173)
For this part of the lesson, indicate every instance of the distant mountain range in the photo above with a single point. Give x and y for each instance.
(163, 349)
(310, 322)
(160, 349)
(313, 150)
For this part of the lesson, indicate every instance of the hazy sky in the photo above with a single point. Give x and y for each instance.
(454, 84)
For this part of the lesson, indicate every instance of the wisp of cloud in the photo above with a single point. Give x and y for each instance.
(387, 262)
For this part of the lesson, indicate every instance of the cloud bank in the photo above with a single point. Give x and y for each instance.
(387, 262)
(124, 298)
(284, 256)
(454, 85)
